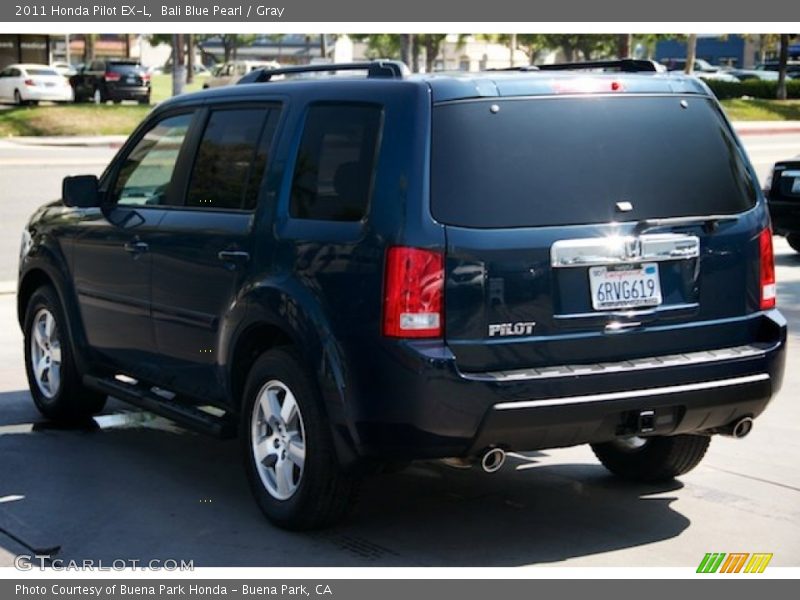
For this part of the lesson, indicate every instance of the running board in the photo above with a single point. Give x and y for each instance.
(186, 415)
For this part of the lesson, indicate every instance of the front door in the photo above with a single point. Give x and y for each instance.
(202, 252)
(111, 257)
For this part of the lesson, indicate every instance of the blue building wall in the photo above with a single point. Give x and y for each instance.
(717, 51)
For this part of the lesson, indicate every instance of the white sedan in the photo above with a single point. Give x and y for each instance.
(28, 84)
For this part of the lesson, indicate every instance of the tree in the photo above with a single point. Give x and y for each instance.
(178, 66)
(381, 45)
(691, 52)
(88, 47)
(432, 43)
(232, 41)
(783, 59)
(624, 45)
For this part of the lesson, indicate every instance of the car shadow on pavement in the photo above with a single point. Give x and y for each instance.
(134, 486)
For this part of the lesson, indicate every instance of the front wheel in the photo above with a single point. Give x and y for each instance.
(287, 447)
(54, 382)
(649, 459)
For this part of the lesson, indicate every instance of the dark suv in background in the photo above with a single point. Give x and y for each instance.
(115, 80)
(782, 190)
(348, 272)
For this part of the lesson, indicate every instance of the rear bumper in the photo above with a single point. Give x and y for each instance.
(54, 94)
(414, 403)
(128, 93)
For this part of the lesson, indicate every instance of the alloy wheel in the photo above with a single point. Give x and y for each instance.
(46, 353)
(277, 439)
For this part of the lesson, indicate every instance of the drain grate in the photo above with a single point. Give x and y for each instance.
(359, 547)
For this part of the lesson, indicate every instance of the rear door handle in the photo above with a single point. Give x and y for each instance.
(136, 247)
(234, 256)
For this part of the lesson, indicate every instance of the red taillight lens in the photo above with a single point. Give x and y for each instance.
(145, 76)
(767, 270)
(413, 298)
(111, 76)
(30, 82)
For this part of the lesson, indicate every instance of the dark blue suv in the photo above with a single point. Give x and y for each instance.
(350, 272)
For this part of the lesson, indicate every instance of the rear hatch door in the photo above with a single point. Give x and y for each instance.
(592, 228)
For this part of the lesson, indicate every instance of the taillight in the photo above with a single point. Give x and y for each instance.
(413, 298)
(112, 76)
(145, 76)
(767, 270)
(30, 82)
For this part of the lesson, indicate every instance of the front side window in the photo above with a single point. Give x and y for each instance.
(145, 177)
(231, 158)
(335, 162)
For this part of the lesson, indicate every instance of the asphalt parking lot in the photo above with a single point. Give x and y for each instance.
(137, 487)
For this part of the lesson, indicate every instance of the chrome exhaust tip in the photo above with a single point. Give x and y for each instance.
(742, 427)
(493, 460)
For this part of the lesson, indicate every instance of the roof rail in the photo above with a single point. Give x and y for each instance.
(376, 69)
(628, 65)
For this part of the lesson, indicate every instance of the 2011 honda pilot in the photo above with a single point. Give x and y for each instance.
(350, 271)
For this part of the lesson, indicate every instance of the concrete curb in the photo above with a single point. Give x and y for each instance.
(103, 141)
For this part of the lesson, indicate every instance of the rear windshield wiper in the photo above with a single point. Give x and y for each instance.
(709, 222)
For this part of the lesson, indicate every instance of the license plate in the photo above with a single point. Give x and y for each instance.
(131, 79)
(625, 286)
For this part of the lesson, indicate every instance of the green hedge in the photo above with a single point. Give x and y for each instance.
(753, 88)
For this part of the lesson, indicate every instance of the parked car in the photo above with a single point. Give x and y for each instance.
(751, 74)
(782, 190)
(116, 80)
(30, 84)
(65, 69)
(350, 272)
(792, 68)
(231, 72)
(702, 69)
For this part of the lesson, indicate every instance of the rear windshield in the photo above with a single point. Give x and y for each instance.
(38, 72)
(124, 67)
(561, 161)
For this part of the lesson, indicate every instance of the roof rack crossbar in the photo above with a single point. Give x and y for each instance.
(523, 68)
(376, 69)
(628, 65)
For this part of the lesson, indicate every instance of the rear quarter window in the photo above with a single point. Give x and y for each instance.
(333, 171)
(569, 160)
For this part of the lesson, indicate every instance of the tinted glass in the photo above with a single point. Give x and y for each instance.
(124, 67)
(333, 172)
(231, 159)
(49, 72)
(145, 177)
(559, 161)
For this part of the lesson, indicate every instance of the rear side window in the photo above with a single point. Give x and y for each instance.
(335, 163)
(561, 161)
(231, 158)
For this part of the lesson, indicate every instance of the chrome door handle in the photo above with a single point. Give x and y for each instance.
(233, 256)
(136, 247)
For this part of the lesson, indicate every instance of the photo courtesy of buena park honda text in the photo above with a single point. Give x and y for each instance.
(408, 299)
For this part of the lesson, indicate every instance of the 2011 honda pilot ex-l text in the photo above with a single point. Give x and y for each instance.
(352, 271)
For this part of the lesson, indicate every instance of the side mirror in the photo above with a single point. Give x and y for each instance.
(80, 191)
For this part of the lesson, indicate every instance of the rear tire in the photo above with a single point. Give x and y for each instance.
(287, 447)
(18, 98)
(54, 382)
(654, 458)
(794, 241)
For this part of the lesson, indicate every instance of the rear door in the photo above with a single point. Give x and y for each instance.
(573, 220)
